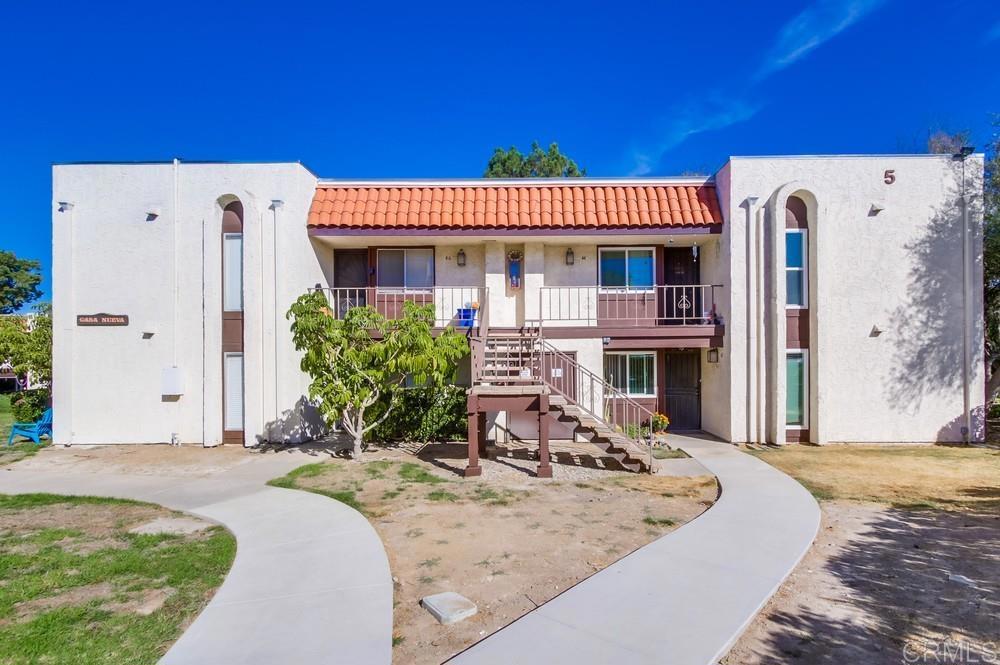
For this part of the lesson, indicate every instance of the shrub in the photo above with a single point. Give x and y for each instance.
(28, 406)
(426, 414)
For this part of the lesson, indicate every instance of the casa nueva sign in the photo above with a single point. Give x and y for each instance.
(102, 319)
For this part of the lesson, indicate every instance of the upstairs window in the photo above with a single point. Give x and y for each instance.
(232, 272)
(796, 283)
(626, 269)
(405, 268)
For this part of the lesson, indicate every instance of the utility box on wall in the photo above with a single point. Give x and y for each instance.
(171, 382)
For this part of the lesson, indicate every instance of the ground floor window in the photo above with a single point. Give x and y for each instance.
(233, 387)
(797, 388)
(632, 373)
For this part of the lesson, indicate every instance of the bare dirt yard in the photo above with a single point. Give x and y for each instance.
(905, 568)
(508, 541)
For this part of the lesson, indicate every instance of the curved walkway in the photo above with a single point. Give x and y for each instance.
(310, 583)
(685, 598)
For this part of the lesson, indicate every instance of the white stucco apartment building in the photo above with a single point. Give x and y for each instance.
(804, 298)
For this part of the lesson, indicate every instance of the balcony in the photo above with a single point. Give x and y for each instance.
(458, 306)
(664, 305)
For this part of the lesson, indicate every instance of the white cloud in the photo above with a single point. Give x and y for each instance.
(812, 27)
(688, 119)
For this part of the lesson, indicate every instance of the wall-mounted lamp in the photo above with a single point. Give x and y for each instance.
(605, 340)
(570, 257)
(694, 252)
(152, 214)
(65, 206)
(460, 258)
(713, 355)
(875, 209)
(876, 331)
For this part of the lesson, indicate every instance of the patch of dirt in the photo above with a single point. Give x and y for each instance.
(884, 586)
(143, 602)
(95, 521)
(507, 541)
(79, 595)
(142, 459)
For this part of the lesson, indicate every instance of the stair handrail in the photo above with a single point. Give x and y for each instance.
(633, 412)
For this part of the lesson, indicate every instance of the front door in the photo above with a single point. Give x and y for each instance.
(682, 387)
(350, 279)
(680, 301)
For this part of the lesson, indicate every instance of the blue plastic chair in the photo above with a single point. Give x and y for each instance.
(33, 431)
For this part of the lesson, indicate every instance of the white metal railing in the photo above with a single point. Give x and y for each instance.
(458, 306)
(687, 304)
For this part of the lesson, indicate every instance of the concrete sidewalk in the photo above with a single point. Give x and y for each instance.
(310, 583)
(685, 598)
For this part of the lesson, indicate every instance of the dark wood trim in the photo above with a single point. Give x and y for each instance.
(797, 435)
(704, 229)
(664, 343)
(797, 328)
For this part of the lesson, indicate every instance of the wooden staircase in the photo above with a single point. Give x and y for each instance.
(615, 444)
(604, 415)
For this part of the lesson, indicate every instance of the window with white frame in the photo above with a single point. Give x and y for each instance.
(632, 373)
(232, 272)
(796, 388)
(626, 268)
(405, 268)
(796, 273)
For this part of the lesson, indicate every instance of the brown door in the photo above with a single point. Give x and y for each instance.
(682, 389)
(680, 270)
(350, 279)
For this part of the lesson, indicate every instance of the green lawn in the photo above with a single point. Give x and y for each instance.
(21, 448)
(6, 417)
(77, 588)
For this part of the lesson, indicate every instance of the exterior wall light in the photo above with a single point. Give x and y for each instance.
(460, 258)
(713, 355)
(570, 257)
(605, 340)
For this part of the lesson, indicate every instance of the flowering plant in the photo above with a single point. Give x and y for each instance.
(660, 422)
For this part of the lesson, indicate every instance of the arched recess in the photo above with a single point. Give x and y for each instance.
(233, 367)
(793, 368)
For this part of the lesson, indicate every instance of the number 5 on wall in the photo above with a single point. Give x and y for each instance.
(889, 176)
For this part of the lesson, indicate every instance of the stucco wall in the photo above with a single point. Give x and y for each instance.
(164, 272)
(899, 270)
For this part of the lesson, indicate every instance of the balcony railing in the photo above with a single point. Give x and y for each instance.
(458, 306)
(679, 305)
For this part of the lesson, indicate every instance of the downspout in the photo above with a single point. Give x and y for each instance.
(759, 294)
(204, 354)
(175, 435)
(966, 312)
(750, 202)
(275, 205)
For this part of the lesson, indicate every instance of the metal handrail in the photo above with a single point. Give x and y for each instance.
(633, 413)
(663, 304)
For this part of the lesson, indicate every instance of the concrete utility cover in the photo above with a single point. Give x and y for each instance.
(179, 525)
(449, 607)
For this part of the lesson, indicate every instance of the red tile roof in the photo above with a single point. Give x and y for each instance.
(507, 206)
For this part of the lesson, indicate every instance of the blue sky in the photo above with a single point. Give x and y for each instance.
(423, 90)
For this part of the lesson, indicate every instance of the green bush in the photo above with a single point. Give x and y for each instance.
(425, 414)
(28, 406)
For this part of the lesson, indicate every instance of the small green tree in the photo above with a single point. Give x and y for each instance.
(26, 342)
(536, 164)
(19, 280)
(356, 361)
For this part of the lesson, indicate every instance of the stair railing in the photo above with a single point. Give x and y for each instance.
(596, 397)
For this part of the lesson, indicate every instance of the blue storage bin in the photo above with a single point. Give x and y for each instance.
(466, 317)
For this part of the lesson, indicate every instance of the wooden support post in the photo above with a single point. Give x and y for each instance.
(481, 429)
(476, 437)
(544, 464)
